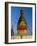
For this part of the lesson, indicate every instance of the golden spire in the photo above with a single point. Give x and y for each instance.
(22, 25)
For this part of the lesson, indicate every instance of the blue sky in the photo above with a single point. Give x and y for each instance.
(15, 14)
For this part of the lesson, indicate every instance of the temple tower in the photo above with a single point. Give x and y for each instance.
(22, 24)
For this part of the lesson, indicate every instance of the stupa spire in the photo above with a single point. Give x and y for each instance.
(22, 25)
(22, 11)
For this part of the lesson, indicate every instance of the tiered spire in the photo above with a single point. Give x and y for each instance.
(22, 25)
